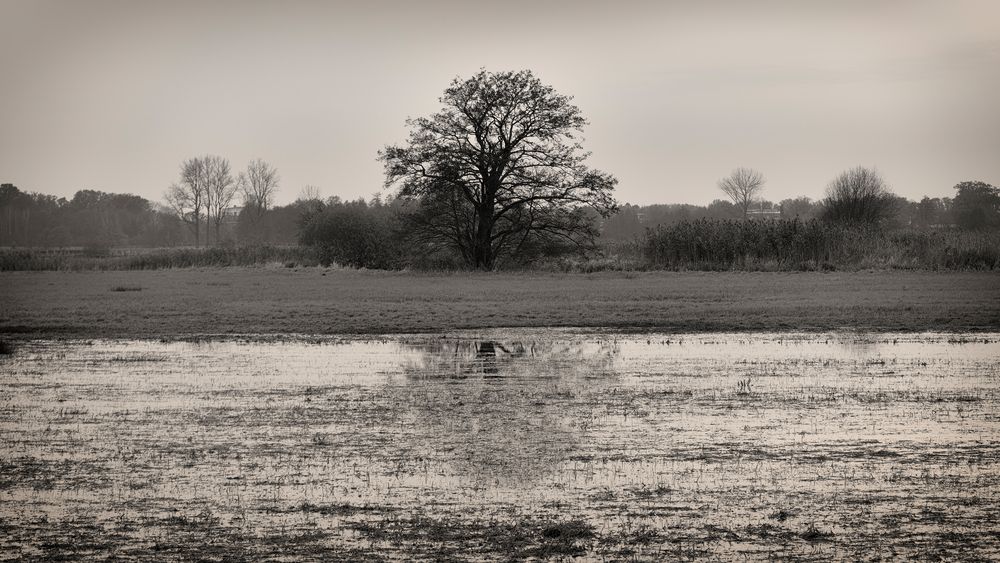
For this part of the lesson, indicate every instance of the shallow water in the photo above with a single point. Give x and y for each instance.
(503, 444)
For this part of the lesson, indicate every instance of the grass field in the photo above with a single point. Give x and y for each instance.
(190, 302)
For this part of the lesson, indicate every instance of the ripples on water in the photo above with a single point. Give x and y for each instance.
(519, 443)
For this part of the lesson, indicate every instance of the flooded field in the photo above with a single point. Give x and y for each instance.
(503, 445)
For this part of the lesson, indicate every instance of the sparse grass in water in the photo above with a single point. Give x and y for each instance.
(594, 445)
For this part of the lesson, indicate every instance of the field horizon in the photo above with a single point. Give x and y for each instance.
(270, 301)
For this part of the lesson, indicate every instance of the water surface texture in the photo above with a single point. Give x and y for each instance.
(507, 444)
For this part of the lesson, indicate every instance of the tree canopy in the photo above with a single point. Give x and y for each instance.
(499, 170)
(977, 205)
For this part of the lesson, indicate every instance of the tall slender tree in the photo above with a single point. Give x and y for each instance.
(220, 188)
(189, 197)
(258, 183)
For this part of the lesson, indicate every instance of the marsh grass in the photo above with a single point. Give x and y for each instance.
(790, 245)
(155, 258)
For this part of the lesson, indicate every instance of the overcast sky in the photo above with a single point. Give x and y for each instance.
(113, 95)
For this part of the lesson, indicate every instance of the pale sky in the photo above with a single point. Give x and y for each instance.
(113, 95)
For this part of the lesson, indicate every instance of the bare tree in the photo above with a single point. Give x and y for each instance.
(189, 197)
(258, 184)
(859, 195)
(743, 186)
(499, 169)
(220, 188)
(309, 193)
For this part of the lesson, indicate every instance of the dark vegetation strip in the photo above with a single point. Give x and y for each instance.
(703, 245)
(153, 258)
(811, 245)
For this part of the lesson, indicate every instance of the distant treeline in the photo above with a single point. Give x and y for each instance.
(98, 220)
(631, 221)
(935, 233)
(91, 218)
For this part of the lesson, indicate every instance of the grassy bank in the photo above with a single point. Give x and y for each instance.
(185, 302)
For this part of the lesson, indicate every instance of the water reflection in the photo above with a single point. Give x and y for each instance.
(857, 345)
(462, 358)
(503, 412)
(486, 355)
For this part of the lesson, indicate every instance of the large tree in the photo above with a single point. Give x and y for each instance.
(499, 169)
(743, 186)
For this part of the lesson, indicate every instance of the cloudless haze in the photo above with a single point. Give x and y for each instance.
(113, 95)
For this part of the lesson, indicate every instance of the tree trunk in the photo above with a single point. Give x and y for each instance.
(482, 251)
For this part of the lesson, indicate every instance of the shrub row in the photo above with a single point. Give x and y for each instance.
(797, 245)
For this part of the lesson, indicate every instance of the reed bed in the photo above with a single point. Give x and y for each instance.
(790, 245)
(155, 258)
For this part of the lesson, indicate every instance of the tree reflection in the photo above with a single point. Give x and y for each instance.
(858, 345)
(505, 412)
